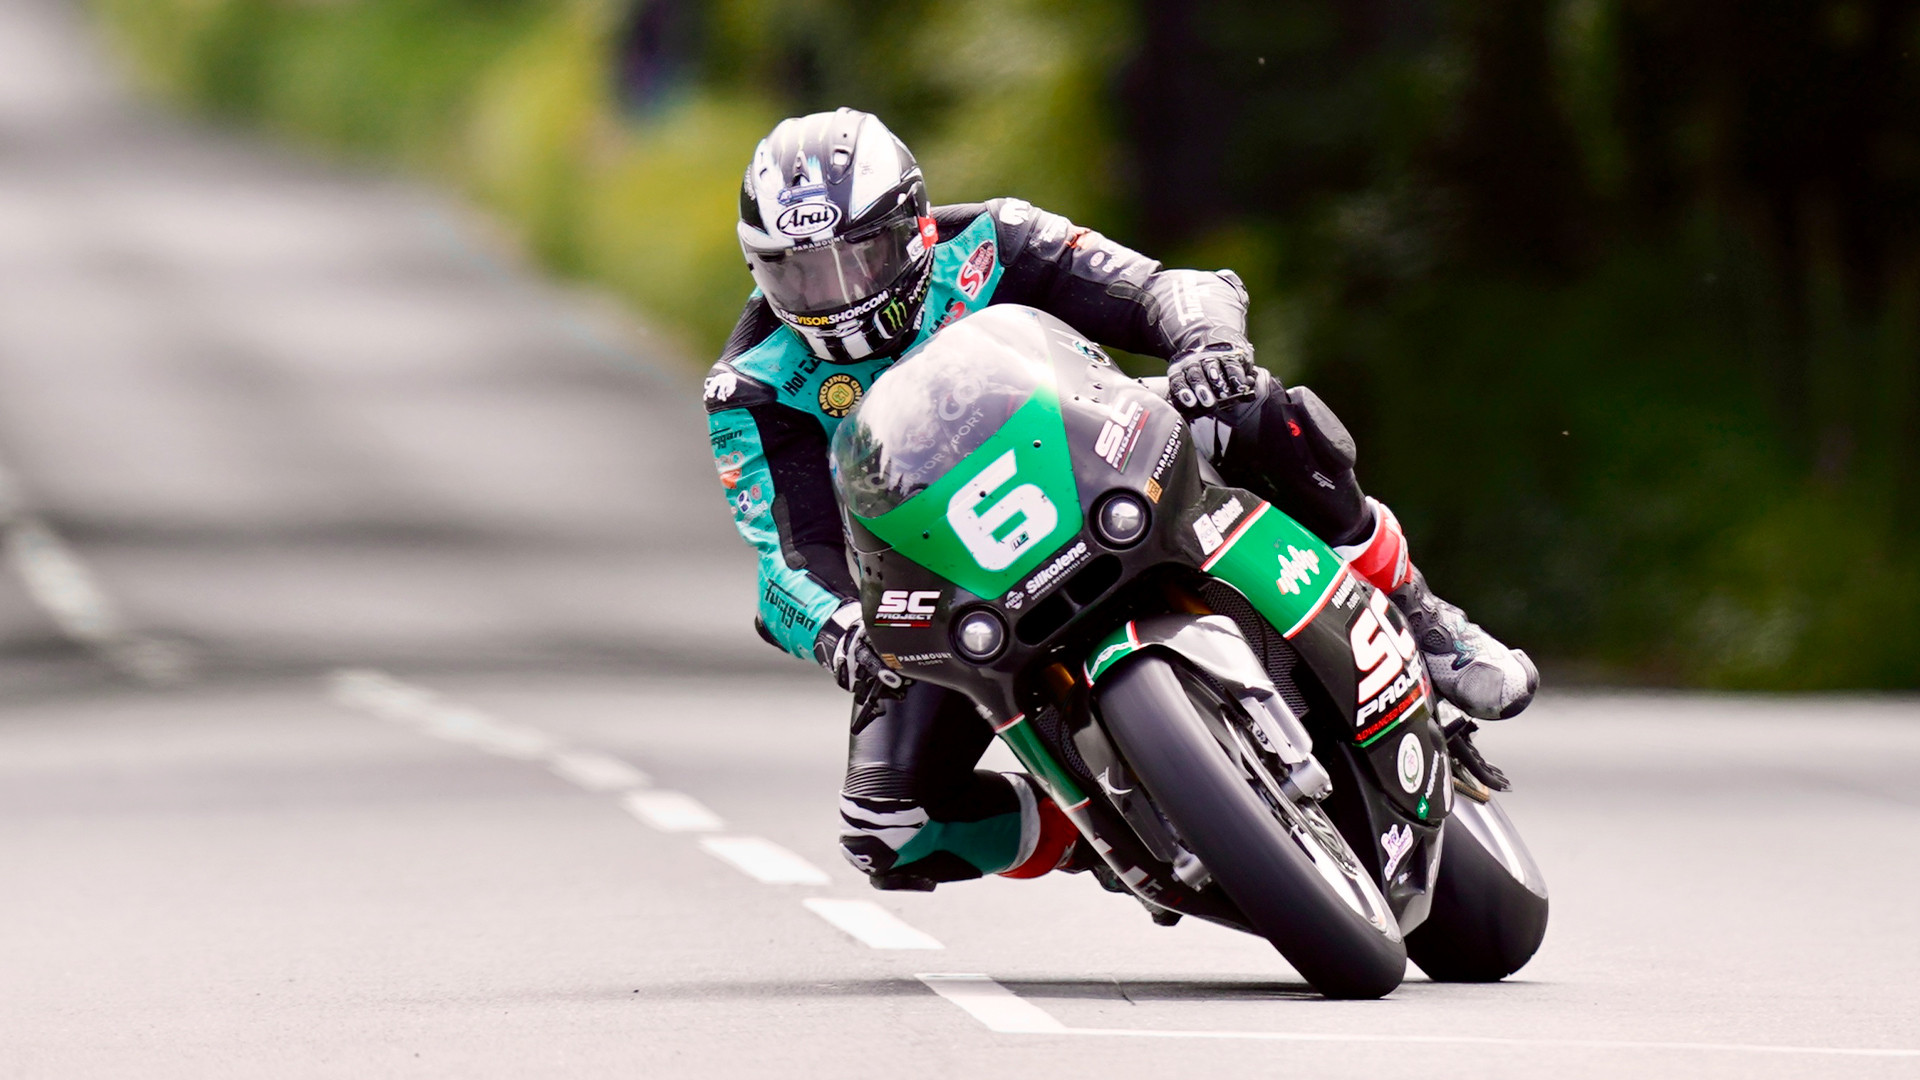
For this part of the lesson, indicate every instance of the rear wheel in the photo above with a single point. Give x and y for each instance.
(1281, 862)
(1488, 916)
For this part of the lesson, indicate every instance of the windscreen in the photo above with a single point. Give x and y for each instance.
(936, 406)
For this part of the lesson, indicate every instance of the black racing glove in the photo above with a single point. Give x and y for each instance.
(843, 649)
(1204, 379)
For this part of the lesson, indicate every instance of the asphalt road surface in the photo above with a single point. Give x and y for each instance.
(378, 698)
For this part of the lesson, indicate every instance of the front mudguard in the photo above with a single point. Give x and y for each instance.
(1214, 645)
(1482, 816)
(1490, 904)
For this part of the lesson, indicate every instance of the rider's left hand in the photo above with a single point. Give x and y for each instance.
(1203, 380)
(849, 656)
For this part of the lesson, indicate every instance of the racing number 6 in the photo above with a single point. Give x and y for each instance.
(977, 528)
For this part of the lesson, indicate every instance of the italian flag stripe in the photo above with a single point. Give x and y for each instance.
(1234, 536)
(1325, 595)
(1386, 723)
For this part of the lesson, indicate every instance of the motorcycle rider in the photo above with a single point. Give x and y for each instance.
(854, 267)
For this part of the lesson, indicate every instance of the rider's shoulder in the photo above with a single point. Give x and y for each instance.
(955, 218)
(1014, 221)
(1012, 212)
(756, 325)
(1018, 221)
(727, 387)
(736, 381)
(1012, 218)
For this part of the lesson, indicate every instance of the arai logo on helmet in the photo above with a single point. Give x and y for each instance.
(806, 219)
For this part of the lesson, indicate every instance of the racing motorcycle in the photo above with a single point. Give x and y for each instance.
(1240, 726)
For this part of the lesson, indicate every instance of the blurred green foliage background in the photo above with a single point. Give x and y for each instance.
(1621, 298)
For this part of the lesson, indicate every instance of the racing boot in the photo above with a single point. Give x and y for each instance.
(1469, 666)
(1057, 846)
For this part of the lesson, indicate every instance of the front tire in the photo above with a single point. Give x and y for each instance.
(1487, 919)
(1255, 858)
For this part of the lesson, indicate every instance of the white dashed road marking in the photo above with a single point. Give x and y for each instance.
(59, 583)
(671, 811)
(596, 771)
(391, 699)
(994, 1005)
(1001, 1010)
(764, 861)
(482, 732)
(870, 924)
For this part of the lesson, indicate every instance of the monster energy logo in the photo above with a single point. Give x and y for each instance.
(894, 317)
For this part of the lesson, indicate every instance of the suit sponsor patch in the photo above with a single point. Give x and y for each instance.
(720, 386)
(839, 393)
(973, 274)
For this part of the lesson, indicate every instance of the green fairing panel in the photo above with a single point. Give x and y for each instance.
(1026, 745)
(1294, 580)
(994, 517)
(1109, 651)
(1285, 572)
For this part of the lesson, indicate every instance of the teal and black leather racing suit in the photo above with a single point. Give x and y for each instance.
(914, 810)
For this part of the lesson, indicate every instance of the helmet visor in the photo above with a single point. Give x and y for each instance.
(825, 279)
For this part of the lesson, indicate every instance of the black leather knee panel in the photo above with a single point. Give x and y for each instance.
(879, 781)
(1288, 447)
(1331, 441)
(920, 747)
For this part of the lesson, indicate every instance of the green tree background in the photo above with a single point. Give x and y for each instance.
(1621, 298)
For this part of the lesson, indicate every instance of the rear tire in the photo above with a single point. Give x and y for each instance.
(1240, 838)
(1485, 925)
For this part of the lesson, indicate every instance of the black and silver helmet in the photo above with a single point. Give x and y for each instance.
(836, 227)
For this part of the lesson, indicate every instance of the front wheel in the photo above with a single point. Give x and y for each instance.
(1489, 905)
(1297, 884)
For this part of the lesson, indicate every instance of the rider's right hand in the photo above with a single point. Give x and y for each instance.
(843, 649)
(1204, 379)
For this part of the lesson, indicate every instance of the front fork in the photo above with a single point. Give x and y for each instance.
(1040, 762)
(1211, 644)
